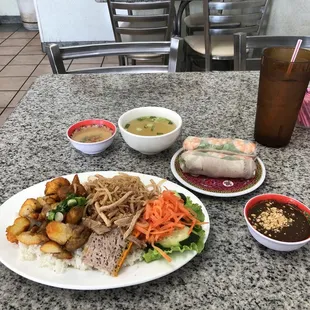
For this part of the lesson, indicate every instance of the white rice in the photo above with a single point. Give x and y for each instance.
(134, 256)
(33, 253)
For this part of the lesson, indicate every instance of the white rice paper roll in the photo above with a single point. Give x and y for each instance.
(217, 165)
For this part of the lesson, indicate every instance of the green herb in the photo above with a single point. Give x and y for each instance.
(81, 201)
(65, 205)
(127, 126)
(51, 215)
(170, 123)
(159, 133)
(71, 203)
(141, 118)
(161, 119)
(307, 215)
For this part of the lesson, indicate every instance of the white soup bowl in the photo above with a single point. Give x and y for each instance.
(150, 145)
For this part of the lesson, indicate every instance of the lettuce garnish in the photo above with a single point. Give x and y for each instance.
(195, 241)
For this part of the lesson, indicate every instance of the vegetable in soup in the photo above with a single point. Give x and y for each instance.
(91, 134)
(280, 221)
(150, 126)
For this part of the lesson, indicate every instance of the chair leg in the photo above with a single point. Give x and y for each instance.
(133, 62)
(165, 59)
(122, 60)
(208, 63)
(126, 61)
(187, 58)
(188, 64)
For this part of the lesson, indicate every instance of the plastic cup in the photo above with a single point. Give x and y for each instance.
(280, 95)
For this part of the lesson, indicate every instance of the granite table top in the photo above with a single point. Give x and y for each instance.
(234, 271)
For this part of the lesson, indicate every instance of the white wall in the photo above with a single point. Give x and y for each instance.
(87, 20)
(73, 20)
(289, 17)
(8, 7)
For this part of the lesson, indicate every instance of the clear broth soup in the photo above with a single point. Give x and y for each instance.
(150, 126)
(91, 134)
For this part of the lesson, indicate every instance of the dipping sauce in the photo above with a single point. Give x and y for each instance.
(91, 134)
(150, 126)
(279, 221)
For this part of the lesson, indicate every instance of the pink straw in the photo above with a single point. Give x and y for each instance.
(296, 50)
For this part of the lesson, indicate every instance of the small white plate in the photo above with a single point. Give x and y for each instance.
(90, 279)
(218, 187)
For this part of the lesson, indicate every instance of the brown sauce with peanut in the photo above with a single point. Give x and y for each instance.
(279, 221)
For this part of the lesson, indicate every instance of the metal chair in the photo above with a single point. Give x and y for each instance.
(57, 55)
(243, 46)
(217, 42)
(195, 21)
(141, 23)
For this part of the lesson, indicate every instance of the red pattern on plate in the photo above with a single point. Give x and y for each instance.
(219, 185)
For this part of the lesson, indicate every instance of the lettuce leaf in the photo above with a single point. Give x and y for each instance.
(151, 254)
(196, 208)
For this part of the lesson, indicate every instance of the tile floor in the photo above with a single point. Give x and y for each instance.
(22, 61)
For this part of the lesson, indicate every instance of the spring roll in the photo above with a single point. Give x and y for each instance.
(217, 165)
(227, 146)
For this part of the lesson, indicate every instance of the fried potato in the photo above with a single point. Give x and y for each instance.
(64, 191)
(74, 216)
(59, 232)
(80, 235)
(49, 200)
(52, 187)
(29, 207)
(54, 197)
(47, 207)
(30, 238)
(64, 255)
(34, 215)
(46, 200)
(51, 247)
(79, 190)
(76, 180)
(20, 225)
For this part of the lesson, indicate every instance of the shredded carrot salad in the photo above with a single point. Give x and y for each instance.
(162, 217)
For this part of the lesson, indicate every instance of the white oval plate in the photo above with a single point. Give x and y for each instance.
(204, 185)
(90, 279)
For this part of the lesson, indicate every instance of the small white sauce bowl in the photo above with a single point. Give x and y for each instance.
(269, 242)
(92, 147)
(150, 145)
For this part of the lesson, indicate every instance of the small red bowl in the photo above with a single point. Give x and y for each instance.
(91, 147)
(269, 242)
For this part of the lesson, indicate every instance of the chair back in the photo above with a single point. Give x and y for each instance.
(136, 21)
(243, 46)
(57, 55)
(227, 18)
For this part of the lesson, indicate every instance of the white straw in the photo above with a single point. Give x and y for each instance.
(296, 50)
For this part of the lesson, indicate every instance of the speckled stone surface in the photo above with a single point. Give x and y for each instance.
(234, 271)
